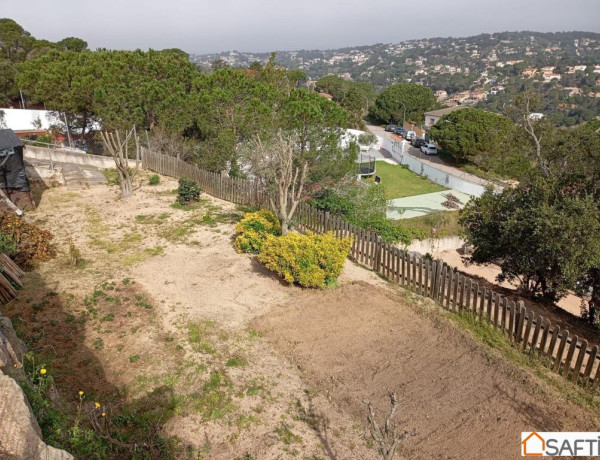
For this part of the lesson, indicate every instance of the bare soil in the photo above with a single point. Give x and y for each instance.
(357, 342)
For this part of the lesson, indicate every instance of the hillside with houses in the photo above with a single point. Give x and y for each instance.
(477, 70)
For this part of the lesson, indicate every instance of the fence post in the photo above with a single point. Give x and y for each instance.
(377, 258)
(327, 222)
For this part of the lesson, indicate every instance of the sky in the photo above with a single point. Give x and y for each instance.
(204, 26)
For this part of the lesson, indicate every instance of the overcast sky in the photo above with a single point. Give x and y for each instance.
(206, 26)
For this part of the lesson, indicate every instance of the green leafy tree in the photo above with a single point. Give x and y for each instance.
(392, 102)
(296, 77)
(15, 42)
(472, 134)
(230, 107)
(318, 124)
(65, 82)
(72, 44)
(143, 88)
(541, 234)
(7, 80)
(332, 84)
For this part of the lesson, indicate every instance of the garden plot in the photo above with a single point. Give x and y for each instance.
(152, 323)
(157, 321)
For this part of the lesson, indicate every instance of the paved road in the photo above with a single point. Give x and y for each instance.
(433, 160)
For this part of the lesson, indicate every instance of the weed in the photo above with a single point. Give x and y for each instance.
(112, 176)
(134, 358)
(286, 435)
(154, 251)
(154, 179)
(108, 317)
(236, 361)
(98, 343)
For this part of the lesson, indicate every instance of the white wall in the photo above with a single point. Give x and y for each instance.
(431, 245)
(23, 120)
(68, 156)
(352, 135)
(433, 174)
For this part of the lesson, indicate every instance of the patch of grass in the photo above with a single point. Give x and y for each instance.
(98, 343)
(112, 176)
(199, 334)
(245, 421)
(134, 358)
(154, 219)
(108, 317)
(236, 361)
(493, 338)
(286, 435)
(398, 181)
(190, 207)
(214, 402)
(154, 251)
(438, 225)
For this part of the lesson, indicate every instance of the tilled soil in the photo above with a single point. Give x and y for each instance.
(356, 343)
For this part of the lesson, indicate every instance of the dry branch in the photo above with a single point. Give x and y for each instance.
(387, 438)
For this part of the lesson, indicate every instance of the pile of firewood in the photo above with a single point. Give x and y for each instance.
(10, 279)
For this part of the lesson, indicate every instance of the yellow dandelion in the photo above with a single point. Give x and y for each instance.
(103, 414)
(80, 393)
(97, 404)
(42, 371)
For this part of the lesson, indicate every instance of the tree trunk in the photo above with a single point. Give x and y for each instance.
(594, 302)
(284, 226)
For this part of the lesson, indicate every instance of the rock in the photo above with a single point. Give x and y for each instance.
(20, 434)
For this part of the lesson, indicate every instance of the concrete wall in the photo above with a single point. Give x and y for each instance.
(432, 245)
(433, 174)
(67, 156)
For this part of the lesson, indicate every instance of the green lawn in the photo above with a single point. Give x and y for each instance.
(399, 181)
(445, 223)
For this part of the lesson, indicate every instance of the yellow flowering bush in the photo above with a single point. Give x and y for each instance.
(309, 260)
(253, 229)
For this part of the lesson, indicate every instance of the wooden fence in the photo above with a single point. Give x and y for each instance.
(563, 352)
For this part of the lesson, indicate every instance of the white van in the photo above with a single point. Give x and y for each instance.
(410, 135)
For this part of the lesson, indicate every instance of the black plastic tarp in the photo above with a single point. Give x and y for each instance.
(12, 166)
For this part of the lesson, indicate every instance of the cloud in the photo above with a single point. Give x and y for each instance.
(265, 25)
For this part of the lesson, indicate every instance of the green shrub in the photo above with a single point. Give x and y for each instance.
(7, 244)
(188, 191)
(365, 207)
(394, 234)
(253, 229)
(309, 260)
(154, 179)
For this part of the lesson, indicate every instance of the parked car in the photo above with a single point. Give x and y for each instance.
(391, 128)
(418, 142)
(410, 135)
(429, 149)
(400, 131)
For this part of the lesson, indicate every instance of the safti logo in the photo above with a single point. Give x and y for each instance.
(560, 444)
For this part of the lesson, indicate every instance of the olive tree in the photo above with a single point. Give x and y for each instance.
(119, 146)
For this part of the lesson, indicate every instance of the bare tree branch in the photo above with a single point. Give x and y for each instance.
(119, 150)
(387, 438)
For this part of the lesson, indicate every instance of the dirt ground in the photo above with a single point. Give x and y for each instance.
(359, 341)
(160, 314)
